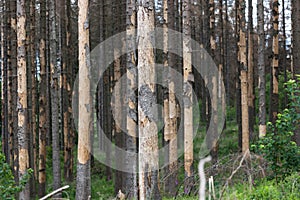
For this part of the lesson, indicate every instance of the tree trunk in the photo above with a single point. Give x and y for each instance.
(187, 98)
(55, 80)
(251, 95)
(85, 121)
(43, 103)
(296, 49)
(22, 97)
(172, 138)
(148, 133)
(275, 63)
(130, 139)
(243, 77)
(261, 70)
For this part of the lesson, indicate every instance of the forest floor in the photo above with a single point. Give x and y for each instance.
(232, 179)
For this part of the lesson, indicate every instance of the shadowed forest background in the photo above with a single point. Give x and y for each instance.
(45, 47)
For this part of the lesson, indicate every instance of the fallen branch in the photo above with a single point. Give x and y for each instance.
(55, 192)
(234, 172)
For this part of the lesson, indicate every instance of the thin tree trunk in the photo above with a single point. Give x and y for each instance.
(43, 103)
(173, 164)
(251, 95)
(244, 76)
(213, 99)
(55, 80)
(131, 142)
(85, 121)
(275, 63)
(261, 70)
(187, 95)
(12, 87)
(284, 63)
(295, 50)
(148, 133)
(22, 97)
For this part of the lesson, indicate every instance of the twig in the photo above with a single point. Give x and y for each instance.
(234, 172)
(55, 192)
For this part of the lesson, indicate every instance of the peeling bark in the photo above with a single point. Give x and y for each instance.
(85, 122)
(243, 76)
(261, 70)
(22, 97)
(148, 138)
(187, 97)
(275, 63)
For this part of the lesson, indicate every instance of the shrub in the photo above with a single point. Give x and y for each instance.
(8, 187)
(283, 154)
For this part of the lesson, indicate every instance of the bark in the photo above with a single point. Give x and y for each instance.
(6, 148)
(22, 97)
(166, 115)
(212, 79)
(172, 159)
(119, 87)
(250, 61)
(284, 63)
(12, 87)
(85, 121)
(43, 104)
(237, 75)
(31, 93)
(295, 49)
(275, 63)
(69, 79)
(187, 98)
(148, 133)
(130, 139)
(261, 70)
(243, 77)
(108, 18)
(55, 80)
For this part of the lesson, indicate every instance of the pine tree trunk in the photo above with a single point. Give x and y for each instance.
(187, 98)
(244, 76)
(261, 70)
(130, 160)
(295, 50)
(85, 121)
(12, 86)
(22, 97)
(275, 63)
(148, 133)
(43, 103)
(251, 95)
(54, 83)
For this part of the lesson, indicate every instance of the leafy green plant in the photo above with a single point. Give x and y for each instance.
(277, 146)
(8, 187)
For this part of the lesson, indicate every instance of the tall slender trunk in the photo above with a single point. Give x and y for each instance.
(43, 103)
(251, 95)
(85, 121)
(284, 63)
(148, 133)
(173, 164)
(261, 70)
(275, 63)
(131, 142)
(295, 50)
(12, 87)
(212, 78)
(119, 88)
(243, 76)
(187, 95)
(6, 148)
(22, 97)
(55, 80)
